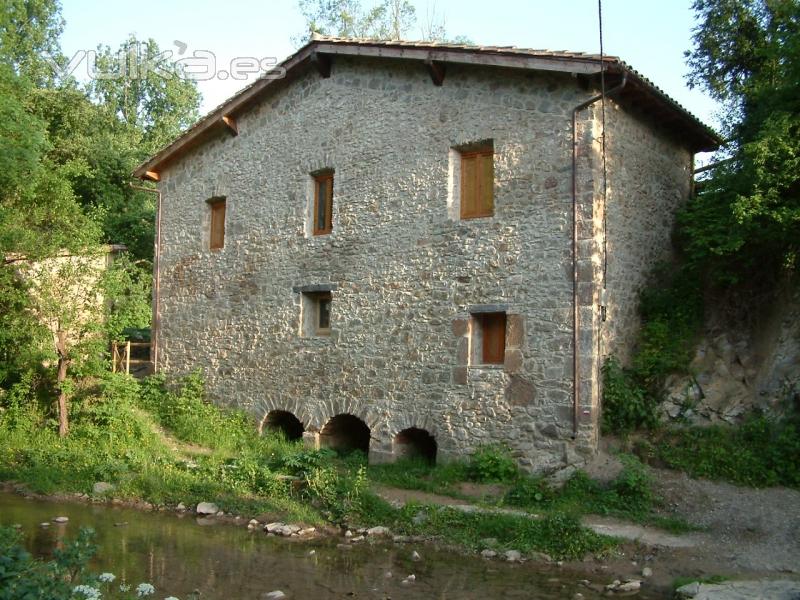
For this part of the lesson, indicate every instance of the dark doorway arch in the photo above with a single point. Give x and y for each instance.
(284, 422)
(345, 433)
(415, 443)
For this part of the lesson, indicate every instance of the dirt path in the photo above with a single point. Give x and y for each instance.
(745, 532)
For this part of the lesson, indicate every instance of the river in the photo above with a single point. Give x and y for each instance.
(178, 556)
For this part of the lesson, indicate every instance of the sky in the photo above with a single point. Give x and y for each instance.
(650, 35)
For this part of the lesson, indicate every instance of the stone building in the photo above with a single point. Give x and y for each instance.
(409, 247)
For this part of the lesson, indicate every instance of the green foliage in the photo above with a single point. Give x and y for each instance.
(22, 577)
(760, 452)
(559, 535)
(420, 474)
(746, 220)
(128, 286)
(530, 493)
(626, 405)
(338, 494)
(492, 463)
(672, 316)
(160, 102)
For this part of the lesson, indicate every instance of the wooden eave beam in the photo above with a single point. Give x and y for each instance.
(152, 176)
(322, 63)
(230, 122)
(436, 70)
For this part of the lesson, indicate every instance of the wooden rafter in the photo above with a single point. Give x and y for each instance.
(436, 70)
(152, 176)
(231, 124)
(322, 63)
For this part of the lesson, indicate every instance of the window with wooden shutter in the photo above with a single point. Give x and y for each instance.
(217, 232)
(323, 203)
(493, 338)
(477, 183)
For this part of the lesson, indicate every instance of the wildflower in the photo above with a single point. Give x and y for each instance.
(144, 589)
(106, 577)
(89, 592)
(124, 587)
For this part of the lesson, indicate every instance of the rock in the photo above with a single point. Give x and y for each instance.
(577, 596)
(45, 524)
(512, 556)
(415, 555)
(276, 595)
(358, 538)
(410, 579)
(387, 575)
(647, 572)
(741, 590)
(348, 534)
(307, 531)
(207, 508)
(633, 585)
(378, 531)
(312, 552)
(181, 506)
(102, 487)
(60, 519)
(488, 553)
(293, 528)
(540, 557)
(344, 546)
(273, 527)
(220, 513)
(690, 590)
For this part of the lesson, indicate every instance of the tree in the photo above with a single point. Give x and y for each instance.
(746, 220)
(29, 32)
(389, 20)
(145, 91)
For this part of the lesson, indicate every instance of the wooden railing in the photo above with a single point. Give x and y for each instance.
(121, 360)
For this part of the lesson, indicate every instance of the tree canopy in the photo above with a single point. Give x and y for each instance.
(746, 220)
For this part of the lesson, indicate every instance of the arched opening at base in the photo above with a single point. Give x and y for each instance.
(415, 443)
(345, 433)
(284, 422)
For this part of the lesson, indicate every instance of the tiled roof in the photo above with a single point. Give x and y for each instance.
(641, 89)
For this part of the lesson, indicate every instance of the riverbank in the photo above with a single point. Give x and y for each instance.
(166, 450)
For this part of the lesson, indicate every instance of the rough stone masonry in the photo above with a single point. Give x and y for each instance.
(407, 277)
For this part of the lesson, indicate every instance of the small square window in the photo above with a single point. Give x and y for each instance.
(317, 314)
(477, 182)
(488, 338)
(322, 216)
(216, 238)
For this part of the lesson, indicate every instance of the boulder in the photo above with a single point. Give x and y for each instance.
(102, 487)
(207, 508)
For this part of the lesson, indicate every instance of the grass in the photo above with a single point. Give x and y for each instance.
(760, 452)
(166, 445)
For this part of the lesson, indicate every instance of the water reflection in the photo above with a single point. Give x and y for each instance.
(178, 556)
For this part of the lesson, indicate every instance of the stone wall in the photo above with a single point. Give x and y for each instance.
(406, 275)
(649, 177)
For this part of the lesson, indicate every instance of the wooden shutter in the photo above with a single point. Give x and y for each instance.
(217, 237)
(477, 184)
(493, 330)
(323, 204)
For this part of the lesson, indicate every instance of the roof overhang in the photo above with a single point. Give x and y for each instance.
(319, 51)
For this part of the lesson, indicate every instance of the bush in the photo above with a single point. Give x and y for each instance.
(492, 464)
(761, 452)
(529, 493)
(626, 405)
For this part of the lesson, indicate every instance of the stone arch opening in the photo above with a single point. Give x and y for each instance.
(415, 443)
(284, 422)
(345, 433)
